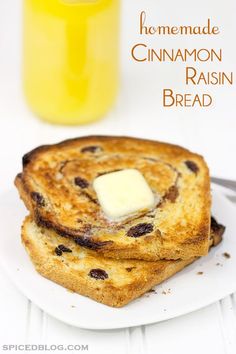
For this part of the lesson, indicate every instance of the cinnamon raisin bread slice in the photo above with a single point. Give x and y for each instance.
(106, 280)
(56, 185)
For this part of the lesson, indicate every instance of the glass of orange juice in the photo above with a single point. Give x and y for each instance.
(71, 58)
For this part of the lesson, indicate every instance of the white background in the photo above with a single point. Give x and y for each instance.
(138, 112)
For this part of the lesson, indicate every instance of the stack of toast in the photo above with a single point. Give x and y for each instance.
(70, 240)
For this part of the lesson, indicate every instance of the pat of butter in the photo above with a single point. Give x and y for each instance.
(123, 193)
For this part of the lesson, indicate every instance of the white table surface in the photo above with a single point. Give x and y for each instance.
(139, 113)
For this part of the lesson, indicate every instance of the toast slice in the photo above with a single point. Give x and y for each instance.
(56, 186)
(106, 280)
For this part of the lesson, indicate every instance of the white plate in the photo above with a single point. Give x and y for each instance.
(189, 291)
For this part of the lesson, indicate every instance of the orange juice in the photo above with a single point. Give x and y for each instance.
(70, 58)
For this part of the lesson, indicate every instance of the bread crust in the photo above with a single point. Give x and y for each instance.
(126, 279)
(181, 223)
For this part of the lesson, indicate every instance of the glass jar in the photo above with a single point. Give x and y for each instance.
(71, 58)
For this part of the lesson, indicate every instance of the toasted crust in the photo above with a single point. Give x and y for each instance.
(181, 222)
(126, 279)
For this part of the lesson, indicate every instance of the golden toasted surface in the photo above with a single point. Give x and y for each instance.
(56, 186)
(109, 281)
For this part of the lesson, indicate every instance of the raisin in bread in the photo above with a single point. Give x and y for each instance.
(106, 280)
(56, 186)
